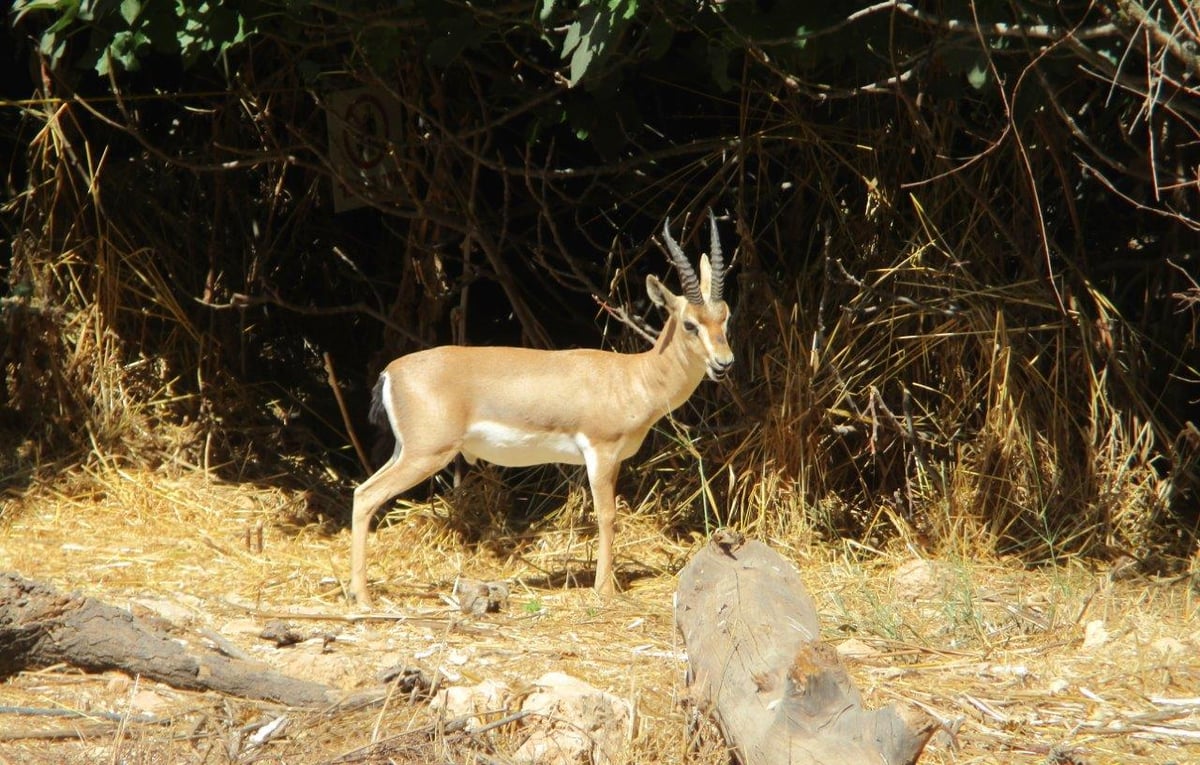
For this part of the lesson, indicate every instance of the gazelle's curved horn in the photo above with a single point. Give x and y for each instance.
(687, 275)
(717, 261)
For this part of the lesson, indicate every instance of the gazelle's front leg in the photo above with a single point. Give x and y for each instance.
(602, 476)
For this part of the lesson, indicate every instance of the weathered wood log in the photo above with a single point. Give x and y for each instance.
(758, 668)
(40, 626)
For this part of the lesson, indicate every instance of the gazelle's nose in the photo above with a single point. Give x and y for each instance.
(718, 366)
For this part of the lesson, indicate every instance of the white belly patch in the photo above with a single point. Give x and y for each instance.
(512, 447)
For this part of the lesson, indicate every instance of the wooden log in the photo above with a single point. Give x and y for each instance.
(40, 627)
(759, 669)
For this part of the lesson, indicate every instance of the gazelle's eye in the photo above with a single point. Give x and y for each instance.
(691, 326)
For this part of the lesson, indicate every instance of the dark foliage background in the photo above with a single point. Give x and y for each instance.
(966, 238)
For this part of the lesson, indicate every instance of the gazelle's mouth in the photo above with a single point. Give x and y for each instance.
(718, 372)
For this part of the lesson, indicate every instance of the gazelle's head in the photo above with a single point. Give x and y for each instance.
(701, 315)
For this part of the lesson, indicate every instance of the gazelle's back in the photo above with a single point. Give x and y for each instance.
(488, 382)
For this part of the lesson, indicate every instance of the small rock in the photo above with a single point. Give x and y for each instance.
(1094, 635)
(474, 700)
(281, 633)
(408, 680)
(921, 579)
(478, 598)
(561, 746)
(574, 722)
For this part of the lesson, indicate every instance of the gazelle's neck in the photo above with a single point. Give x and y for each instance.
(669, 374)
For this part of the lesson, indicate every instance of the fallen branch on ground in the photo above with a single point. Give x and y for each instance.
(41, 627)
(758, 668)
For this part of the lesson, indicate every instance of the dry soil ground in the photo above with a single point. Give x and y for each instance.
(1065, 665)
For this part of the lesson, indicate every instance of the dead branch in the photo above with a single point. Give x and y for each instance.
(758, 667)
(41, 627)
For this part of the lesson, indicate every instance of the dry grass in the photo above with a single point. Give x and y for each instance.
(1030, 666)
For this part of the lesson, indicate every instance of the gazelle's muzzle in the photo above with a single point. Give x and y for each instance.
(718, 369)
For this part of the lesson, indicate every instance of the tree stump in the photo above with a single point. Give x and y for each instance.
(40, 627)
(758, 668)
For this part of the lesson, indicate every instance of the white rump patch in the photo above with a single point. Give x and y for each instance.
(389, 407)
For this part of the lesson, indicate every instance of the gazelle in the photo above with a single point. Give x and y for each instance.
(519, 406)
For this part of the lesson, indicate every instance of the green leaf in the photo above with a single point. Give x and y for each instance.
(52, 47)
(68, 8)
(130, 10)
(580, 61)
(623, 9)
(574, 34)
(123, 50)
(588, 39)
(91, 10)
(977, 77)
(63, 22)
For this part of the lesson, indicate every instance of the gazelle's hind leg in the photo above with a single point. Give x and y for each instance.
(402, 473)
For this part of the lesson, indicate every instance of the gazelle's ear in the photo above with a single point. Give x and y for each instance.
(705, 278)
(659, 294)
